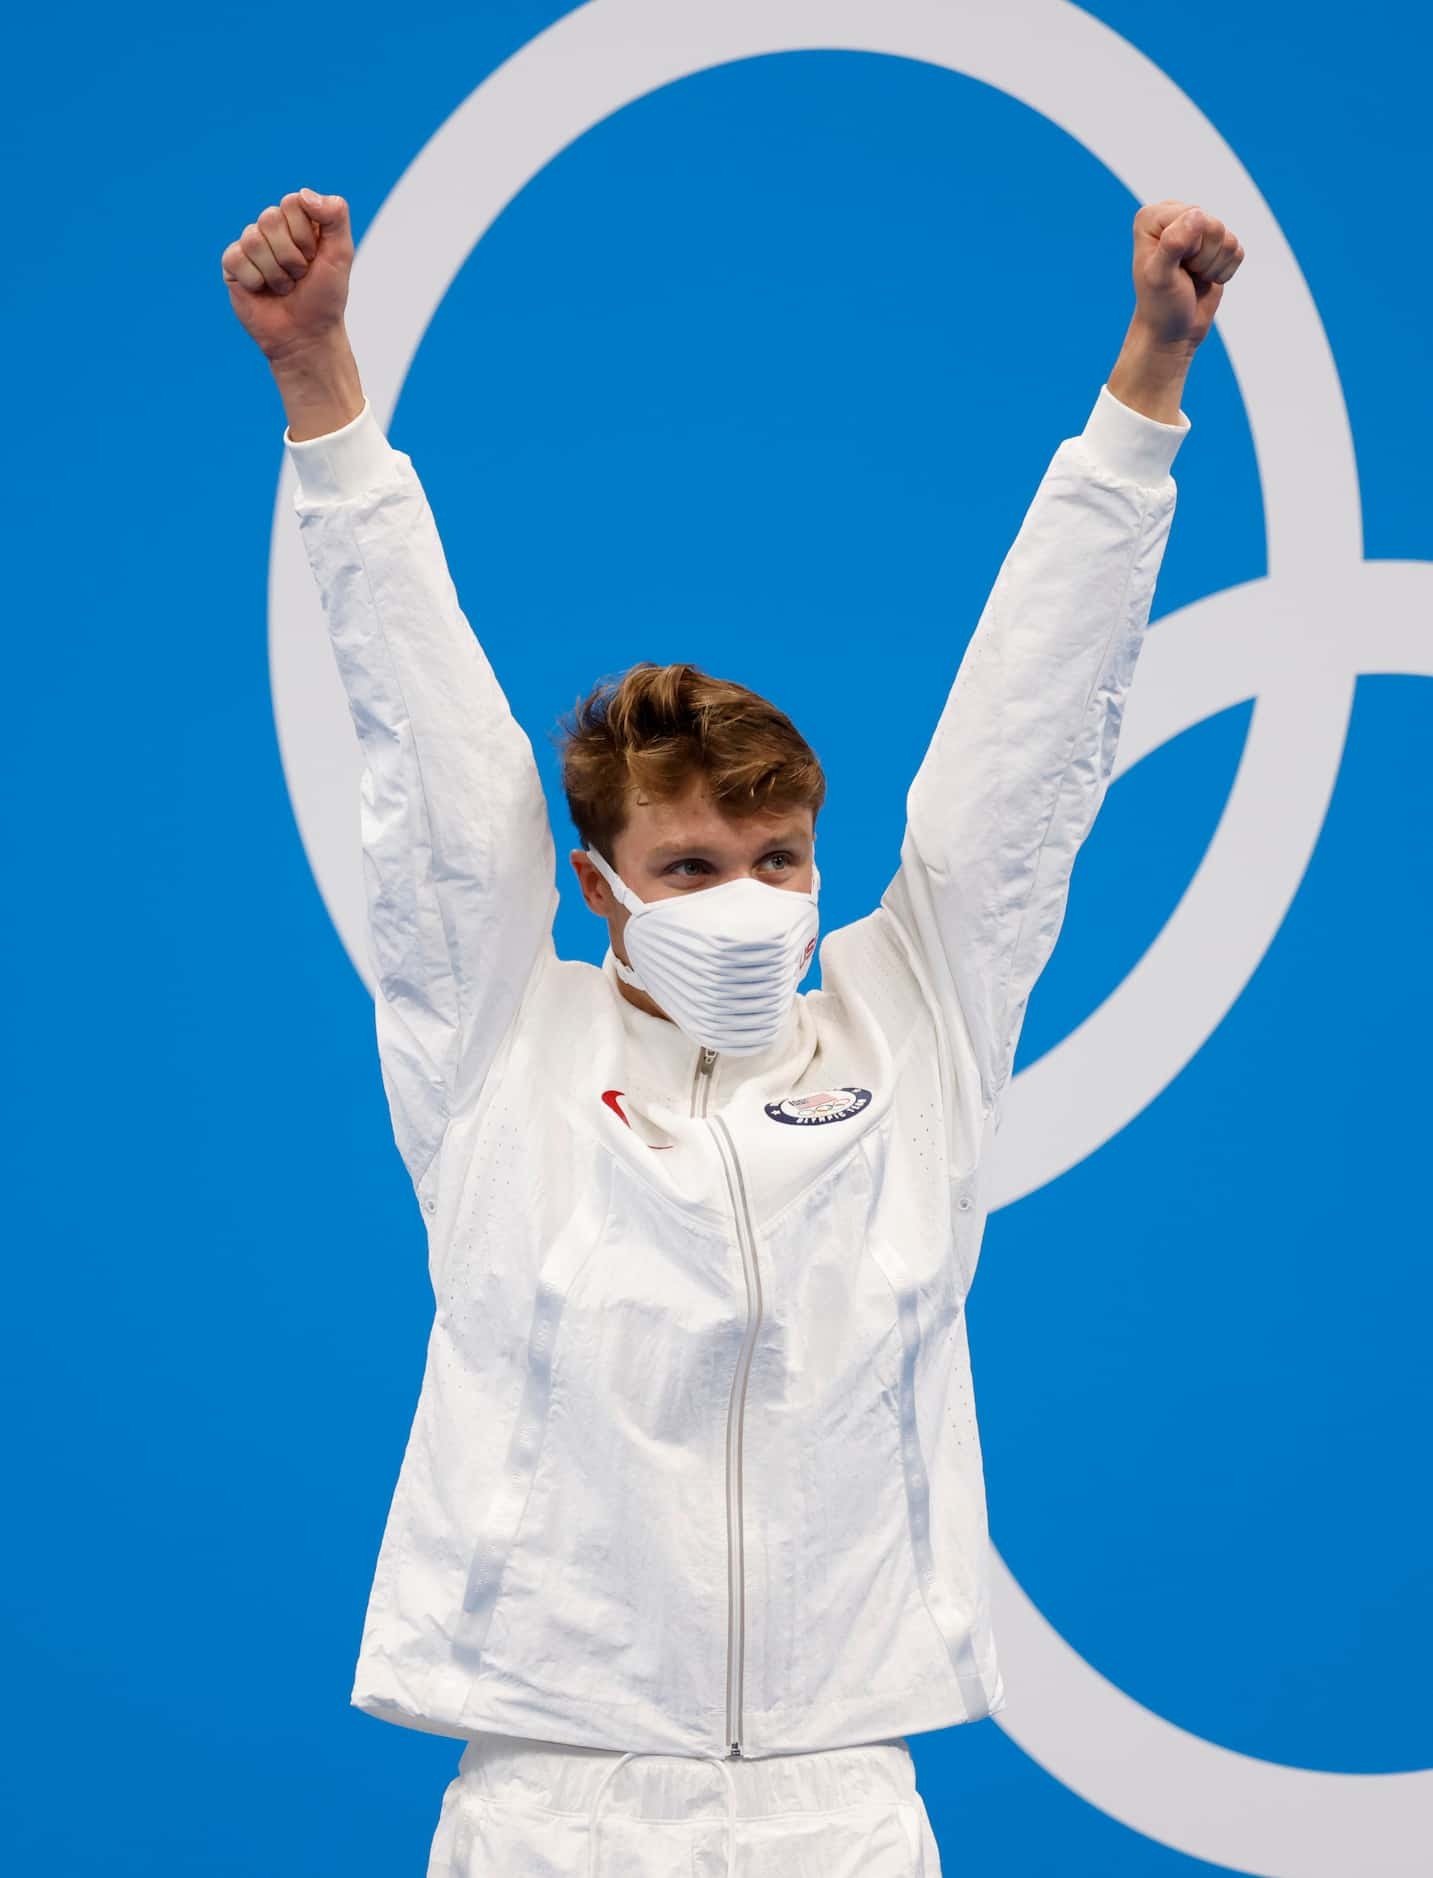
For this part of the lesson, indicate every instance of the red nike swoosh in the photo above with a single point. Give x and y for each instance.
(609, 1096)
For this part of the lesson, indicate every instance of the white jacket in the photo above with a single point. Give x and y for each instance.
(695, 1463)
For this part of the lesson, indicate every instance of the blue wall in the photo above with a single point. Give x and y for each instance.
(761, 372)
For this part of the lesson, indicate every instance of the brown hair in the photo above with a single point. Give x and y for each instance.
(657, 725)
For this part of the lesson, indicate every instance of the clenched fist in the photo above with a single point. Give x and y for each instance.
(287, 274)
(1183, 258)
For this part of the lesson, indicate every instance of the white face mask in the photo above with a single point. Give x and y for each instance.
(723, 962)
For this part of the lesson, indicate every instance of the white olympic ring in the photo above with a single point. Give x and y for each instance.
(1281, 640)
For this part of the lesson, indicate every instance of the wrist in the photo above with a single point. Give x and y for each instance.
(319, 385)
(1149, 374)
(325, 356)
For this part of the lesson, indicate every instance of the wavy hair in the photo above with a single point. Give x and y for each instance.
(656, 726)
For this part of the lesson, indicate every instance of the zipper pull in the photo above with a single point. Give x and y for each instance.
(702, 1084)
(735, 1754)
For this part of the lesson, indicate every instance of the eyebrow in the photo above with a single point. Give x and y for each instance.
(673, 850)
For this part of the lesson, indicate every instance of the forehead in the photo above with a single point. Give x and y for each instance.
(694, 819)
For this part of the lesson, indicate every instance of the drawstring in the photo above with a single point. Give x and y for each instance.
(616, 1768)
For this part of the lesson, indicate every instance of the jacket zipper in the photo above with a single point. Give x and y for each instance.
(702, 1080)
(736, 1537)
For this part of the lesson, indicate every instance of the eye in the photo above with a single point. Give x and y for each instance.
(782, 855)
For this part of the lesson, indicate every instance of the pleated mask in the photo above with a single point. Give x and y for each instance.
(723, 962)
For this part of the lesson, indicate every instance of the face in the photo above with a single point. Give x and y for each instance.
(689, 844)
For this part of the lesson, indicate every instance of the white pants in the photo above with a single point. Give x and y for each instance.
(520, 1808)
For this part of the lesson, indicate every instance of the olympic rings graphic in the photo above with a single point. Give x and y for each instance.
(1287, 641)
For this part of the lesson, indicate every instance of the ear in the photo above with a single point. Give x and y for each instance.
(595, 891)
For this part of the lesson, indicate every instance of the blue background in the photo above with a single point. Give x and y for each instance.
(762, 372)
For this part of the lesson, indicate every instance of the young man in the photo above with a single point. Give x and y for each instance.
(695, 1473)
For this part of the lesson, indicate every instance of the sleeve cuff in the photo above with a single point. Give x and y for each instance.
(1129, 444)
(342, 462)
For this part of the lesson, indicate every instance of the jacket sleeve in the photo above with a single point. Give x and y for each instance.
(458, 858)
(1018, 765)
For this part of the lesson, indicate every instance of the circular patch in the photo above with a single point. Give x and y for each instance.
(830, 1105)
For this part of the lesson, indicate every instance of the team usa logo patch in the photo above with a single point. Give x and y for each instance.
(830, 1105)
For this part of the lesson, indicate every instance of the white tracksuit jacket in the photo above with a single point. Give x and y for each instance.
(695, 1462)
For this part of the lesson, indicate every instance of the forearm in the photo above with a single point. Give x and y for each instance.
(1025, 746)
(1149, 377)
(458, 850)
(320, 387)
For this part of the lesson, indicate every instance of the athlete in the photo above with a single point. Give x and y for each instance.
(690, 1532)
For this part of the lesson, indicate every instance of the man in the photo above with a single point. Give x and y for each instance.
(695, 1472)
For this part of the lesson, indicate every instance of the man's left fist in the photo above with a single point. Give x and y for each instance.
(1182, 260)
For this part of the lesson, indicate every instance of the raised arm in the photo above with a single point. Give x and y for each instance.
(1022, 754)
(457, 847)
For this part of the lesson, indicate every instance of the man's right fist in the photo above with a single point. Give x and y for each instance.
(287, 274)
